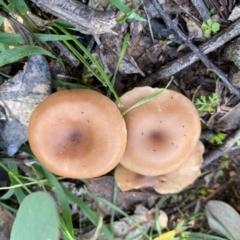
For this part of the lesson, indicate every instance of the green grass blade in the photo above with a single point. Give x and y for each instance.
(199, 236)
(7, 195)
(12, 171)
(59, 83)
(115, 193)
(2, 3)
(15, 54)
(125, 9)
(103, 78)
(91, 215)
(17, 39)
(21, 6)
(117, 209)
(8, 207)
(26, 149)
(123, 50)
(146, 99)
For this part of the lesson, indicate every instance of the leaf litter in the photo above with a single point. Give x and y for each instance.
(19, 96)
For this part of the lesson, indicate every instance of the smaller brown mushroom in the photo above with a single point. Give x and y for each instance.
(77, 133)
(161, 133)
(172, 182)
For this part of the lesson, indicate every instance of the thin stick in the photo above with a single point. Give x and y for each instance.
(179, 64)
(219, 151)
(223, 76)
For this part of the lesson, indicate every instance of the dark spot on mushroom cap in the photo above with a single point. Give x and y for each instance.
(155, 135)
(75, 137)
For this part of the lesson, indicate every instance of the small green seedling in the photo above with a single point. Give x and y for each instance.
(224, 164)
(217, 138)
(214, 76)
(209, 26)
(238, 142)
(207, 104)
(202, 191)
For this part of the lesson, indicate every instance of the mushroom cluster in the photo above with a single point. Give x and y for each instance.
(163, 148)
(77, 133)
(82, 134)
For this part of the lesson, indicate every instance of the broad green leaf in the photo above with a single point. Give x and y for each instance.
(209, 22)
(208, 31)
(204, 26)
(215, 27)
(15, 54)
(37, 219)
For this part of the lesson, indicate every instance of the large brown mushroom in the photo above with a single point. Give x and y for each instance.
(172, 182)
(162, 133)
(77, 134)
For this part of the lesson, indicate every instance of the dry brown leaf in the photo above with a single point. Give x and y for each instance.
(18, 98)
(194, 29)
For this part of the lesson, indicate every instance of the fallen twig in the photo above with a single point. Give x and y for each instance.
(201, 8)
(219, 151)
(185, 61)
(88, 20)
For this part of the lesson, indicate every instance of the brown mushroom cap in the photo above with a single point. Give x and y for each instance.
(127, 179)
(172, 182)
(183, 176)
(162, 133)
(77, 133)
